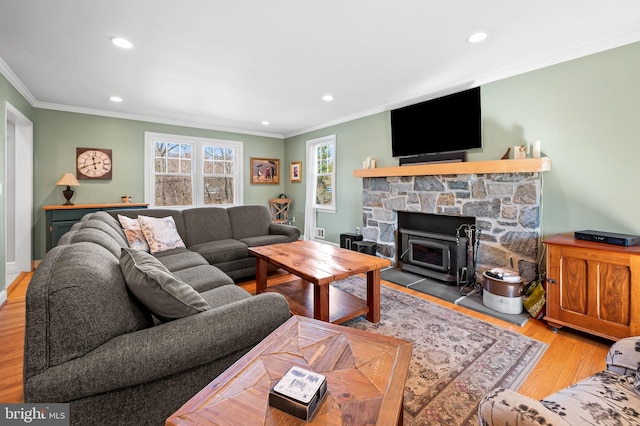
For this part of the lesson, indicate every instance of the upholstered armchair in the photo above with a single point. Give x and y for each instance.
(609, 397)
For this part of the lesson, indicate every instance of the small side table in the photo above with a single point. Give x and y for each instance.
(61, 218)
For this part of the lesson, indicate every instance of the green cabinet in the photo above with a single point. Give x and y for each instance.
(60, 219)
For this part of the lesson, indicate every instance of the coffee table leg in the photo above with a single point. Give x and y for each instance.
(321, 302)
(261, 275)
(373, 295)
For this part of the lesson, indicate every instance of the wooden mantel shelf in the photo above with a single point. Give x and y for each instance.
(527, 165)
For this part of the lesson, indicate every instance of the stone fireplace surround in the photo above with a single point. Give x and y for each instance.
(505, 205)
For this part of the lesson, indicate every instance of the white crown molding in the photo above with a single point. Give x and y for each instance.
(489, 78)
(15, 82)
(151, 119)
(560, 58)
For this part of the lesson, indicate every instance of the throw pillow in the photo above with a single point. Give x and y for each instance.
(161, 233)
(166, 296)
(133, 233)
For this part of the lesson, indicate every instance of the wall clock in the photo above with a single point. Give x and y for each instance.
(93, 163)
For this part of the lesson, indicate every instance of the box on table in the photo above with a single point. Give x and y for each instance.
(299, 392)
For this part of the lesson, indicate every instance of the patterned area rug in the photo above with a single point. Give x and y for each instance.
(456, 358)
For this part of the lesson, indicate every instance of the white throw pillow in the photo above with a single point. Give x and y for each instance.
(134, 234)
(161, 233)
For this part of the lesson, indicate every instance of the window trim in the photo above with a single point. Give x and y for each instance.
(198, 144)
(313, 146)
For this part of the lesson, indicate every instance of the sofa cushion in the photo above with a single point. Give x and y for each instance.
(180, 258)
(203, 277)
(133, 233)
(161, 233)
(102, 227)
(221, 251)
(204, 224)
(158, 289)
(597, 398)
(91, 236)
(76, 301)
(249, 221)
(105, 217)
(264, 240)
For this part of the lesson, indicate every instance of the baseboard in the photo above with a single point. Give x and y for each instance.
(3, 298)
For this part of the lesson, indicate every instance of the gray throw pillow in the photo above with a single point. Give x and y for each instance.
(166, 296)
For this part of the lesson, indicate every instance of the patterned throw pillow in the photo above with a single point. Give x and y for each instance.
(161, 233)
(166, 296)
(134, 233)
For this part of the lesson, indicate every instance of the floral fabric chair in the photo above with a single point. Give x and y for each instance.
(610, 397)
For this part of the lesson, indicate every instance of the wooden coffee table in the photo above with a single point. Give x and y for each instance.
(318, 265)
(365, 373)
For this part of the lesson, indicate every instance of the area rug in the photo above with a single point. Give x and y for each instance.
(456, 358)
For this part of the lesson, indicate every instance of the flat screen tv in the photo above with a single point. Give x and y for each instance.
(447, 124)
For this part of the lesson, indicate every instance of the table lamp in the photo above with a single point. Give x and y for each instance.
(70, 180)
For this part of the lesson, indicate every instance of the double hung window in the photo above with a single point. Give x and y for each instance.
(183, 171)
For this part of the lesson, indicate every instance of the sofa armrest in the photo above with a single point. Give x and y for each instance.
(624, 356)
(282, 229)
(161, 351)
(503, 407)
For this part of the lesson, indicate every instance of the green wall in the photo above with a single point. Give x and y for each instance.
(7, 94)
(586, 112)
(57, 135)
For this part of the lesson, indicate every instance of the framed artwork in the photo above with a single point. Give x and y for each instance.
(265, 170)
(295, 171)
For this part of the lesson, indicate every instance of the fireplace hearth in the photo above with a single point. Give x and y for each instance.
(504, 206)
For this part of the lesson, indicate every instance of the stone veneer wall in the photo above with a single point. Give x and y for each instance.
(506, 207)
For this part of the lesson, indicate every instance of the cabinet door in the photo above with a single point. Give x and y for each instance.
(58, 229)
(590, 290)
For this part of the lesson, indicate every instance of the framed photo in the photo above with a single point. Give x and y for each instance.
(265, 170)
(295, 171)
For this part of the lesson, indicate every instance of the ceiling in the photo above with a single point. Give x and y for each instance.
(231, 65)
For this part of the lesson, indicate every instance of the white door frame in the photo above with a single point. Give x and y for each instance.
(21, 186)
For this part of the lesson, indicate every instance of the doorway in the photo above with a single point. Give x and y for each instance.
(18, 195)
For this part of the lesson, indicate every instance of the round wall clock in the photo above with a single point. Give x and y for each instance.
(93, 163)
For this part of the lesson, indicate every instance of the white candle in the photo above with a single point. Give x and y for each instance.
(535, 151)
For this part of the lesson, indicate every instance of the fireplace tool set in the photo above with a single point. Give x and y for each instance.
(466, 276)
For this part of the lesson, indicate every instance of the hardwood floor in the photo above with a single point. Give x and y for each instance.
(571, 356)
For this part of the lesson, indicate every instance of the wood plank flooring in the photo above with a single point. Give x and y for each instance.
(571, 355)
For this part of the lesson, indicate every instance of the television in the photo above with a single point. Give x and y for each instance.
(447, 124)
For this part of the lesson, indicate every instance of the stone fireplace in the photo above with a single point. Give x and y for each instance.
(505, 205)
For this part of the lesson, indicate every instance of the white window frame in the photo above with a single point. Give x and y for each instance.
(312, 162)
(197, 165)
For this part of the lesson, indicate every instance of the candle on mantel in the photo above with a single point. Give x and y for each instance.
(535, 149)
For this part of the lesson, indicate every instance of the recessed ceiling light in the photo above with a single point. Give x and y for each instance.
(121, 42)
(115, 99)
(265, 123)
(327, 98)
(477, 37)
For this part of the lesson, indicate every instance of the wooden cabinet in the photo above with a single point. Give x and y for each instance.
(593, 287)
(61, 218)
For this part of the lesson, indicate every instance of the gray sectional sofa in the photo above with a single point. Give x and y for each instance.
(222, 236)
(91, 343)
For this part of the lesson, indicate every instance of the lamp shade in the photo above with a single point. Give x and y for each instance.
(68, 179)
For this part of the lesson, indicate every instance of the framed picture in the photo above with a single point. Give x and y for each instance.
(265, 170)
(295, 171)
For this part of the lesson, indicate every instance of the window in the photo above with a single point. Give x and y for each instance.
(323, 152)
(184, 171)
